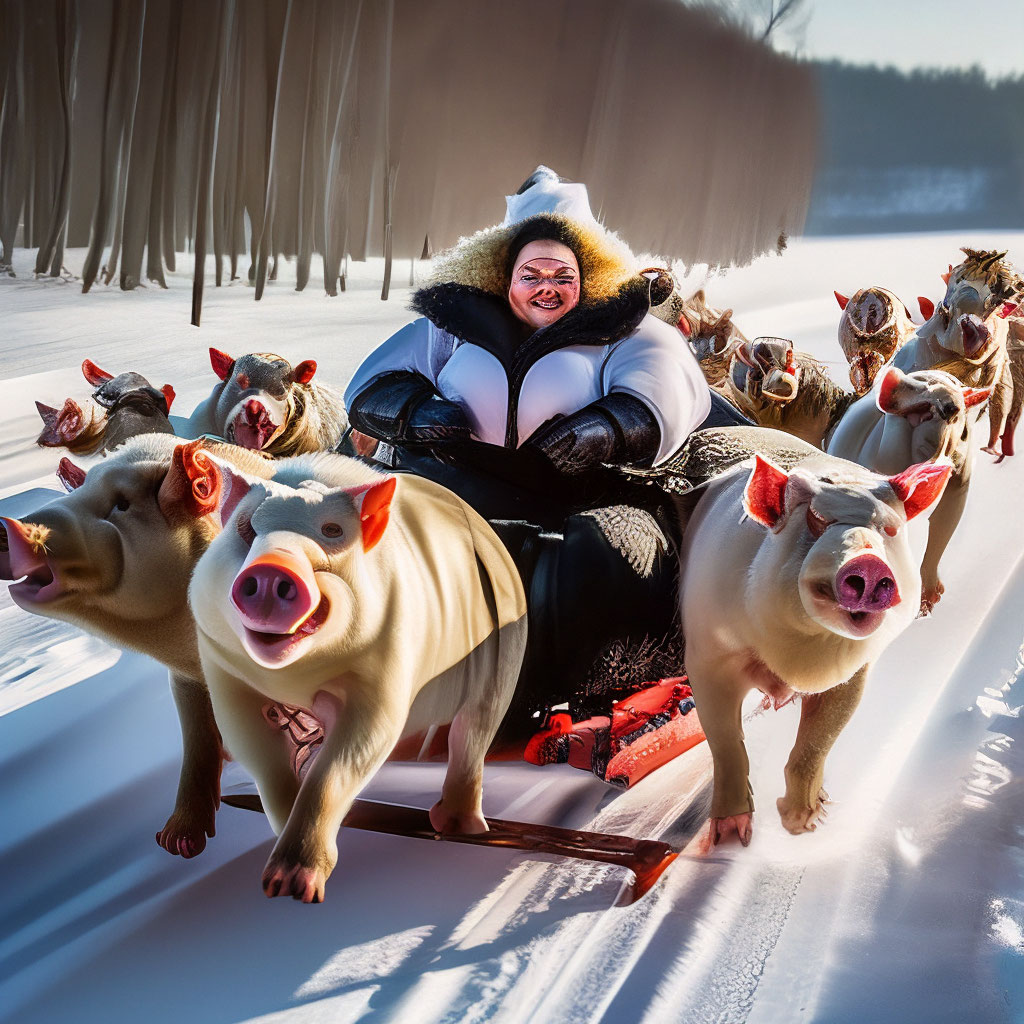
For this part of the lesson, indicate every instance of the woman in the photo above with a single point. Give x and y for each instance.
(537, 367)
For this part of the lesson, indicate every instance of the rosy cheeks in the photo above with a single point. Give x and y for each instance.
(541, 298)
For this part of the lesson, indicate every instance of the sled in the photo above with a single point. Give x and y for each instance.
(647, 859)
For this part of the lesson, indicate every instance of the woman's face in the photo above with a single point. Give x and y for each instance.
(545, 283)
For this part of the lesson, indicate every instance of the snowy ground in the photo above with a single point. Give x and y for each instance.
(907, 906)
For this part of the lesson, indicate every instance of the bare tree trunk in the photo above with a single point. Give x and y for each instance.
(224, 11)
(51, 249)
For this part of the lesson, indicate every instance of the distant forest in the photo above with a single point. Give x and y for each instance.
(924, 151)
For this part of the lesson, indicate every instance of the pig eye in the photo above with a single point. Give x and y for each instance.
(331, 530)
(242, 381)
(122, 504)
(817, 524)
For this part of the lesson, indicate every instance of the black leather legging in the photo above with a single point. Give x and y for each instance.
(582, 593)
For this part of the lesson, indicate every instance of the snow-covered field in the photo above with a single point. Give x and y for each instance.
(908, 905)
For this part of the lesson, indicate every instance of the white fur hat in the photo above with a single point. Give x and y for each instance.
(545, 192)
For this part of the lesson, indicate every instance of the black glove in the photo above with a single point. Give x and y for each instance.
(402, 407)
(618, 429)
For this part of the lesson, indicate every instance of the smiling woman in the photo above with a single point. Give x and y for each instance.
(545, 283)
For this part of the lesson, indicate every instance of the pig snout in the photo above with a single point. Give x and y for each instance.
(866, 584)
(275, 594)
(19, 550)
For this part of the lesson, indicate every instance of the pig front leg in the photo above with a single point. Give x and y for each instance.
(360, 733)
(263, 750)
(195, 808)
(998, 407)
(941, 525)
(822, 718)
(1016, 363)
(719, 701)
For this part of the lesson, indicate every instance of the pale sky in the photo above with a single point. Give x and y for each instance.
(908, 33)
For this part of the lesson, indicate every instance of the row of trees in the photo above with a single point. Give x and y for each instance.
(367, 127)
(918, 151)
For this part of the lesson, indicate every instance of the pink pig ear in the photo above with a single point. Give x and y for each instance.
(972, 396)
(887, 389)
(221, 363)
(1008, 309)
(841, 299)
(764, 497)
(927, 306)
(920, 486)
(94, 375)
(193, 483)
(60, 427)
(70, 475)
(375, 510)
(49, 436)
(168, 392)
(303, 373)
(945, 277)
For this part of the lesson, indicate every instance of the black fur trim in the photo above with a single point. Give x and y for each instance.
(473, 315)
(488, 321)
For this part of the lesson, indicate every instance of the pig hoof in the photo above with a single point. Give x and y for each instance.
(990, 449)
(300, 882)
(448, 822)
(740, 825)
(184, 838)
(798, 819)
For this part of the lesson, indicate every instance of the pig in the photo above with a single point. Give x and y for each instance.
(264, 403)
(779, 388)
(811, 577)
(709, 332)
(911, 418)
(130, 404)
(114, 557)
(712, 336)
(874, 326)
(967, 334)
(377, 604)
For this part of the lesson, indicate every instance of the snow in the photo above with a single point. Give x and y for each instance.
(908, 904)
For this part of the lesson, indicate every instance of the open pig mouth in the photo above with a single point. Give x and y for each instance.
(855, 623)
(918, 414)
(253, 428)
(975, 335)
(275, 648)
(38, 587)
(863, 368)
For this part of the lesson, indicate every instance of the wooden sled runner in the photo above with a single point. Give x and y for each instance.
(647, 859)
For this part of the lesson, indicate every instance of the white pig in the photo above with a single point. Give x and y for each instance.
(794, 584)
(909, 418)
(382, 605)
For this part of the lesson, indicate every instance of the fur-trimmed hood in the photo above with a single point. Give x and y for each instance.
(484, 260)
